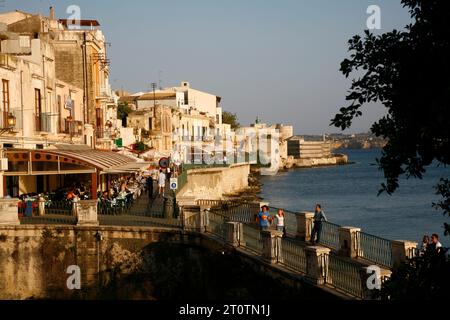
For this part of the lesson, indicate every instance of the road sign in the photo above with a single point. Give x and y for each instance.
(164, 163)
(173, 183)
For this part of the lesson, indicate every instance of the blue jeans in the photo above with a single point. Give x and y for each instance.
(264, 228)
(317, 229)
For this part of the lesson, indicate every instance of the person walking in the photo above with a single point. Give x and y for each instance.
(169, 173)
(161, 183)
(264, 218)
(279, 221)
(149, 184)
(319, 217)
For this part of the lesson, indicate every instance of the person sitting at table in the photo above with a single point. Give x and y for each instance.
(70, 194)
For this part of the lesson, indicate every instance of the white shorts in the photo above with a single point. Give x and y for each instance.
(162, 185)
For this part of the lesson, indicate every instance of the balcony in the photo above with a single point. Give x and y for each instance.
(43, 122)
(72, 127)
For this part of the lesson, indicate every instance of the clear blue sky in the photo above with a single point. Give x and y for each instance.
(278, 60)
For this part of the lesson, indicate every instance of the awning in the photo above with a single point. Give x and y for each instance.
(102, 160)
(128, 168)
(69, 161)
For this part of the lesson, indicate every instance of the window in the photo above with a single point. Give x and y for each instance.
(99, 118)
(5, 110)
(59, 105)
(150, 126)
(37, 109)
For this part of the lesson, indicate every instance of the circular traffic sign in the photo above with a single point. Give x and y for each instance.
(164, 163)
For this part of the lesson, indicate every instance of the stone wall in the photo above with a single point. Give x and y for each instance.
(135, 263)
(216, 182)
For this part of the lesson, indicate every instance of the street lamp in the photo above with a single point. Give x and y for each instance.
(11, 121)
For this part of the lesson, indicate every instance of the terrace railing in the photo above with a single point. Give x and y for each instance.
(374, 249)
(344, 275)
(329, 235)
(252, 238)
(293, 255)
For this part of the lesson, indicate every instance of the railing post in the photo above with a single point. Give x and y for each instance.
(232, 236)
(86, 211)
(401, 251)
(242, 242)
(205, 219)
(304, 223)
(317, 264)
(192, 218)
(41, 204)
(349, 242)
(9, 212)
(271, 240)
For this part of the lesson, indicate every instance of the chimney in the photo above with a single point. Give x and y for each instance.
(52, 13)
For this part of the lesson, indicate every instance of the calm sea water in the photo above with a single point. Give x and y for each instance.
(348, 195)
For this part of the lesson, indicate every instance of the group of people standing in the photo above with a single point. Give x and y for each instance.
(265, 220)
(430, 245)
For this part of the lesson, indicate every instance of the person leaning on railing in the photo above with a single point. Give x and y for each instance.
(319, 217)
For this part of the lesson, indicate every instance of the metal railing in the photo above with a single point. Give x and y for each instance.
(252, 238)
(374, 249)
(49, 220)
(344, 275)
(61, 207)
(293, 255)
(290, 220)
(217, 225)
(329, 235)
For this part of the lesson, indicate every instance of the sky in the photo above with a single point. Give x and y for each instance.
(276, 60)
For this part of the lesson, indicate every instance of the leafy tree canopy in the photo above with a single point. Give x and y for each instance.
(409, 73)
(231, 119)
(123, 110)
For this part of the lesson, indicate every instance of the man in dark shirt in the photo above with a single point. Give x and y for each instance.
(319, 216)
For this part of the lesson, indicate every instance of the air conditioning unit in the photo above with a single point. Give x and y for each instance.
(4, 164)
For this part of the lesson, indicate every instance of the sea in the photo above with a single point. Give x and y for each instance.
(349, 197)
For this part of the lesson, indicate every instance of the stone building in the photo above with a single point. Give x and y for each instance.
(80, 60)
(299, 148)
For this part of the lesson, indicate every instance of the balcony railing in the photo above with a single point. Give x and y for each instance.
(43, 122)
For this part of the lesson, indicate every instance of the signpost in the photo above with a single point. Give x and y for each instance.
(173, 183)
(164, 163)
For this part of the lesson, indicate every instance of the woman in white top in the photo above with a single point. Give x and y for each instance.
(279, 219)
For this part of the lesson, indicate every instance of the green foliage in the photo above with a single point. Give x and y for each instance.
(406, 71)
(231, 119)
(123, 110)
(443, 189)
(424, 278)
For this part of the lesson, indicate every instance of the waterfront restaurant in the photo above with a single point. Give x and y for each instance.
(43, 171)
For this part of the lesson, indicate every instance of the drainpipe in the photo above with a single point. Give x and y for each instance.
(21, 107)
(85, 75)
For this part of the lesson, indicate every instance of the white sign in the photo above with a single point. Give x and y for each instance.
(173, 183)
